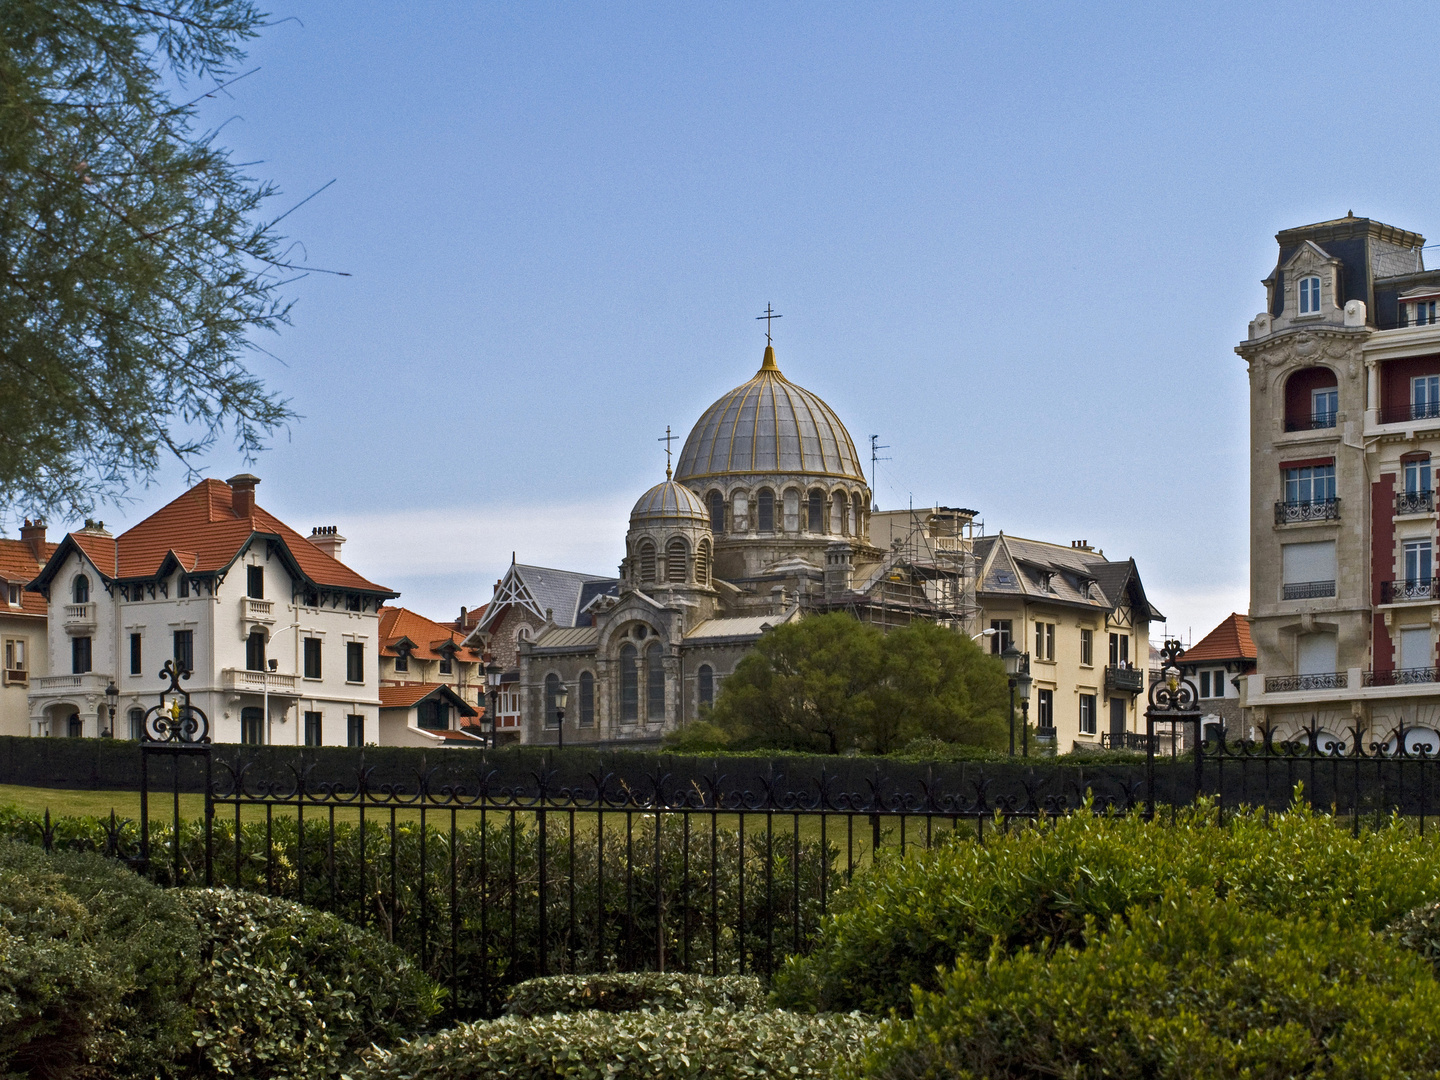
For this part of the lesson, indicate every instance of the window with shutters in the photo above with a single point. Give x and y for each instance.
(647, 560)
(702, 563)
(1308, 570)
(677, 557)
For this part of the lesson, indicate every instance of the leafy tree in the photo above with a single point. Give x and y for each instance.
(806, 686)
(134, 264)
(830, 683)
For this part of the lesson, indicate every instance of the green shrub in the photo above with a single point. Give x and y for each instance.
(287, 991)
(1192, 988)
(634, 991)
(1419, 931)
(94, 967)
(908, 917)
(713, 1045)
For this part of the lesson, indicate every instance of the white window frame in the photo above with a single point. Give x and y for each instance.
(1309, 295)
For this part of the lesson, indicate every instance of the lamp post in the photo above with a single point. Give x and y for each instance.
(112, 698)
(492, 685)
(562, 698)
(1012, 658)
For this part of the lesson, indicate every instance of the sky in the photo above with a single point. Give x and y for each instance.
(1018, 242)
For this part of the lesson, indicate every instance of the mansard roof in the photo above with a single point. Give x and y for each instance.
(1039, 571)
(202, 533)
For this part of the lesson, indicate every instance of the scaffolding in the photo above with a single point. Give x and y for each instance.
(929, 571)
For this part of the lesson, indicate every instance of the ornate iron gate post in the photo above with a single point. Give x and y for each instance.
(176, 729)
(1175, 701)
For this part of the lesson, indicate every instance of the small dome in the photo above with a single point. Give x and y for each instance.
(670, 500)
(769, 425)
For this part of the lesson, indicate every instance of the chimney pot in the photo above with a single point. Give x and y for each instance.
(32, 533)
(242, 499)
(328, 539)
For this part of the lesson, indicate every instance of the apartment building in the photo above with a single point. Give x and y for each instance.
(280, 636)
(1344, 366)
(1085, 622)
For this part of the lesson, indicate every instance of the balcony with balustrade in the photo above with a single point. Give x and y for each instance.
(1128, 680)
(1415, 590)
(1414, 502)
(78, 619)
(244, 681)
(1295, 512)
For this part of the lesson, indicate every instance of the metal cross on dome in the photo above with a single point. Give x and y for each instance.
(667, 439)
(768, 316)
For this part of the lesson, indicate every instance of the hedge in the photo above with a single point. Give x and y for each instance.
(913, 916)
(697, 1044)
(486, 965)
(1191, 988)
(630, 992)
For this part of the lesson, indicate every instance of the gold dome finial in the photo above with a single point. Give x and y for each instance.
(768, 364)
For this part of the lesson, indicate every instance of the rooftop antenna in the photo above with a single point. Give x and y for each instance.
(667, 438)
(769, 315)
(875, 449)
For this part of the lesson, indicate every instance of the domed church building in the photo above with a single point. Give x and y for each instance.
(766, 517)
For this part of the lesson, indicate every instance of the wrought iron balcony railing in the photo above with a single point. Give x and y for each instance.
(1414, 502)
(1288, 513)
(1410, 410)
(1397, 592)
(1307, 590)
(1125, 740)
(1124, 678)
(1402, 677)
(1313, 422)
(1284, 684)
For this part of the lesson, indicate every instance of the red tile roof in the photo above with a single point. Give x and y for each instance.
(408, 695)
(19, 566)
(428, 636)
(1228, 641)
(202, 532)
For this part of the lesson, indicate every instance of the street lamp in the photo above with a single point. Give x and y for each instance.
(493, 672)
(1022, 691)
(112, 698)
(1012, 658)
(562, 698)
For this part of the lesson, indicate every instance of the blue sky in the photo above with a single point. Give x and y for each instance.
(1017, 241)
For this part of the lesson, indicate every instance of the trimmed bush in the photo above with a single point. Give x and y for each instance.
(94, 967)
(632, 992)
(710, 1044)
(909, 917)
(1193, 987)
(287, 991)
(1419, 931)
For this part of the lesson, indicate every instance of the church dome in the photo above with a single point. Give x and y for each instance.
(769, 425)
(670, 500)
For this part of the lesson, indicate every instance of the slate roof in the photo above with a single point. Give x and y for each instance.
(747, 627)
(428, 636)
(540, 588)
(202, 530)
(1229, 641)
(1056, 573)
(19, 566)
(408, 695)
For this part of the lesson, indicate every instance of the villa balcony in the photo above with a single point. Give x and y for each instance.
(1314, 422)
(1408, 411)
(1415, 502)
(1126, 679)
(89, 684)
(79, 619)
(1307, 590)
(1401, 592)
(1287, 684)
(1292, 513)
(1402, 677)
(241, 681)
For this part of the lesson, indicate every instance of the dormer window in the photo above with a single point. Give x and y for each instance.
(402, 661)
(14, 595)
(1310, 296)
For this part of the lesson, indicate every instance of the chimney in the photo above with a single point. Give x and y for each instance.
(328, 539)
(242, 501)
(32, 533)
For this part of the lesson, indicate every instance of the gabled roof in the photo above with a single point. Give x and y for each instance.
(539, 589)
(425, 636)
(1055, 573)
(1229, 641)
(18, 566)
(202, 528)
(408, 695)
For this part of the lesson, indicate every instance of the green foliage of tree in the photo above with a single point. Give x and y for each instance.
(135, 267)
(829, 683)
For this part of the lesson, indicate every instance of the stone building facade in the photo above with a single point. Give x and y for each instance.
(24, 618)
(1344, 367)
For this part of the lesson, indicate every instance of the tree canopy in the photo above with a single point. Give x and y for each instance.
(829, 683)
(135, 265)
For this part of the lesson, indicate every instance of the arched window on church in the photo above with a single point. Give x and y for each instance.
(766, 508)
(816, 514)
(792, 511)
(677, 556)
(838, 523)
(716, 502)
(654, 685)
(587, 699)
(629, 683)
(705, 686)
(646, 555)
(702, 563)
(740, 517)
